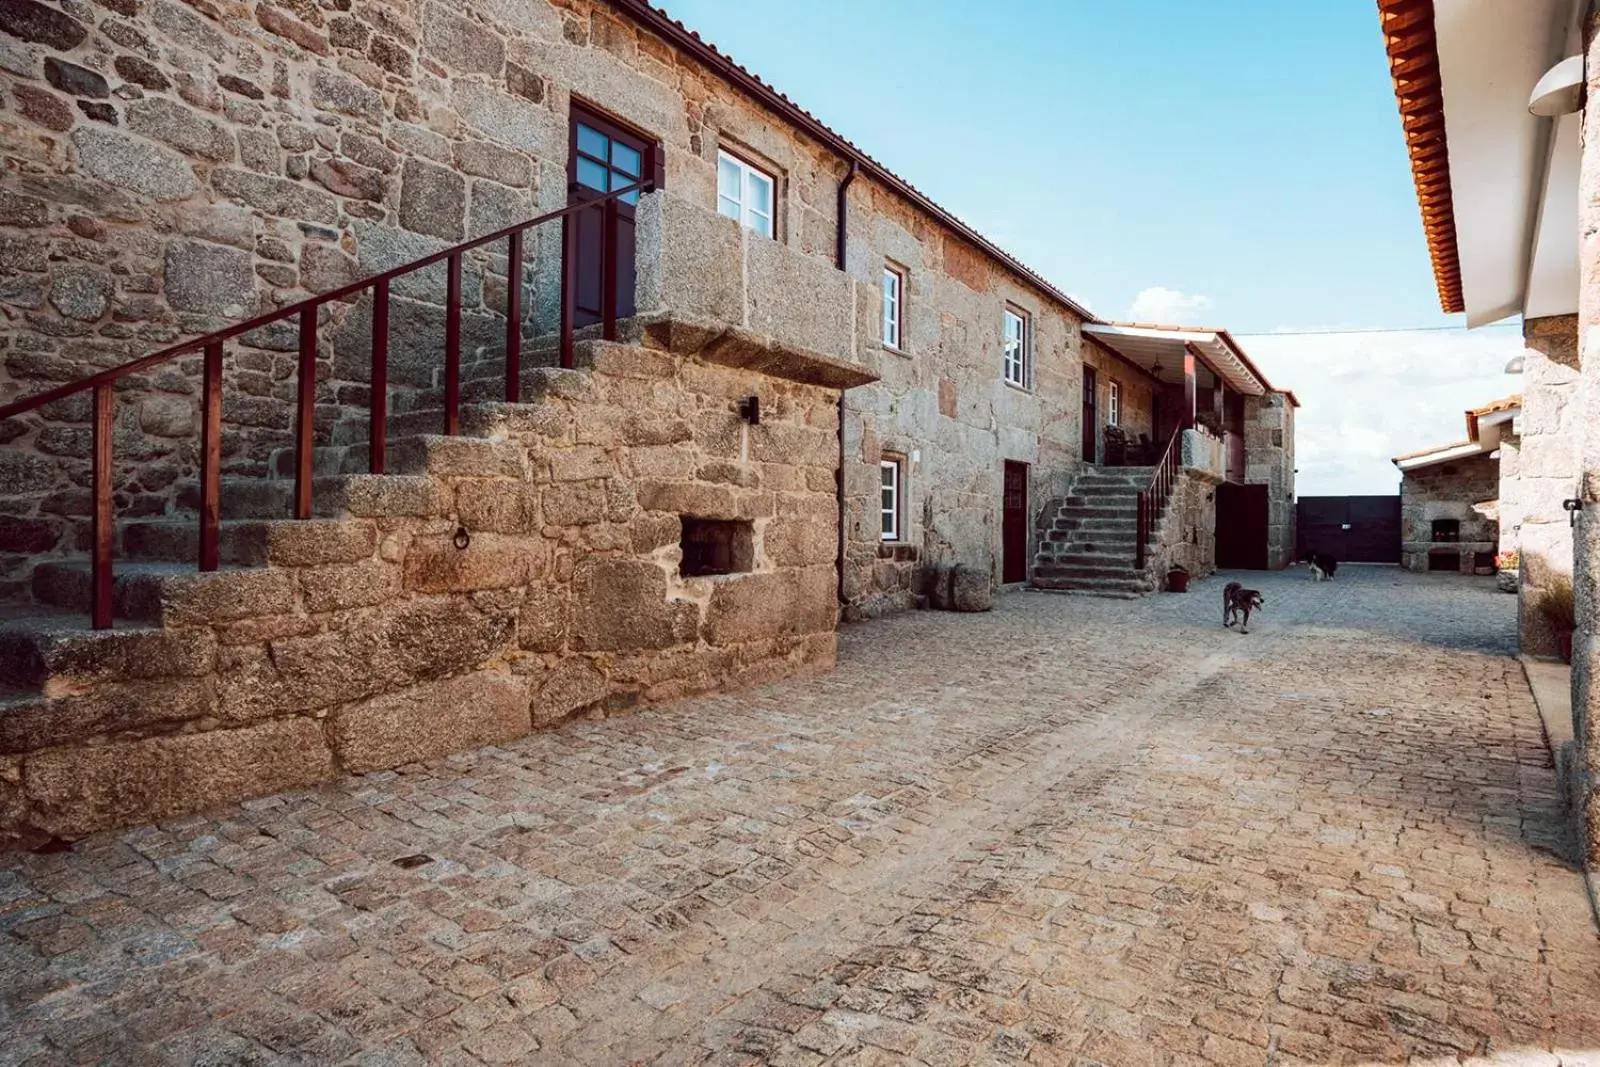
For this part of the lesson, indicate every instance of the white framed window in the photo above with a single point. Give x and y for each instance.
(1018, 348)
(893, 471)
(1114, 405)
(745, 193)
(894, 289)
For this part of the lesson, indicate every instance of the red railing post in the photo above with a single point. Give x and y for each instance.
(569, 285)
(211, 459)
(378, 411)
(608, 270)
(305, 413)
(452, 347)
(102, 522)
(514, 319)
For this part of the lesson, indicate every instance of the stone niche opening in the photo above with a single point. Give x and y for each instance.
(716, 546)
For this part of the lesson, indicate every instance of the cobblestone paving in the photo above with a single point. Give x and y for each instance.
(1071, 831)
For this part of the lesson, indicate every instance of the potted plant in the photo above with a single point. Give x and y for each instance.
(1558, 607)
(1208, 421)
(1178, 579)
(1508, 566)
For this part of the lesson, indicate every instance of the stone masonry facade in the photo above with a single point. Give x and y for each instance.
(1449, 493)
(375, 637)
(173, 167)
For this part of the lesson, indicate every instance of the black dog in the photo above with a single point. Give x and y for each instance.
(1238, 602)
(1322, 566)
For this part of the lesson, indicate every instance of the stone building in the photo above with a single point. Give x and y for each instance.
(1449, 509)
(1493, 101)
(769, 385)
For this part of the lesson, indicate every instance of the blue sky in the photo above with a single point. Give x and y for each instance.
(1239, 162)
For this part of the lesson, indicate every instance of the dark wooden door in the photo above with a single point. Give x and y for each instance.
(1242, 527)
(1352, 529)
(602, 157)
(1091, 415)
(1014, 524)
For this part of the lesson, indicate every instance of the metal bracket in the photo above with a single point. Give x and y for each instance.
(750, 410)
(1573, 506)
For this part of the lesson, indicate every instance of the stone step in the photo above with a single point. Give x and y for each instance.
(1098, 560)
(1121, 524)
(458, 456)
(1090, 511)
(359, 494)
(252, 542)
(170, 594)
(48, 651)
(1085, 573)
(1119, 588)
(1102, 500)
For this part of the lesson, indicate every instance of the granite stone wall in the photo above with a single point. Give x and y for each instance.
(1547, 472)
(1269, 461)
(1451, 491)
(172, 167)
(526, 571)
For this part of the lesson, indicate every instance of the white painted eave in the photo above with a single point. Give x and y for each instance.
(1439, 455)
(1513, 175)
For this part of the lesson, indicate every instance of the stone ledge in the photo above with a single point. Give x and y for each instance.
(737, 347)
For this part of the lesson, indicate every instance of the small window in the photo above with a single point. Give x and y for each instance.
(1018, 349)
(716, 546)
(893, 481)
(605, 164)
(1114, 405)
(744, 193)
(894, 287)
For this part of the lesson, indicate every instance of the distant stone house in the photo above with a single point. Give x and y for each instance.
(770, 385)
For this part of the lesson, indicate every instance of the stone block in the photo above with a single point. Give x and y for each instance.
(76, 791)
(542, 619)
(755, 607)
(623, 605)
(508, 119)
(574, 685)
(315, 542)
(133, 164)
(272, 195)
(430, 720)
(498, 506)
(348, 585)
(331, 91)
(219, 596)
(690, 261)
(433, 200)
(970, 589)
(457, 457)
(701, 500)
(799, 301)
(210, 279)
(105, 710)
(183, 129)
(576, 503)
(64, 659)
(384, 496)
(490, 561)
(39, 23)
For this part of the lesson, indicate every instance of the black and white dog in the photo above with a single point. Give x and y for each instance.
(1322, 566)
(1237, 604)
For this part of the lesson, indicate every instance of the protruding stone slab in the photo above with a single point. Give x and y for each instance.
(430, 720)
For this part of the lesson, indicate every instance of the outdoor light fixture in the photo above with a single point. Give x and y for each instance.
(1560, 91)
(750, 410)
(1515, 366)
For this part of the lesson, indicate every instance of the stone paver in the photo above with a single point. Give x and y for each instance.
(1070, 831)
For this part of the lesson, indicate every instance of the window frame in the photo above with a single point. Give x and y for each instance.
(895, 513)
(1114, 403)
(898, 273)
(747, 171)
(1023, 360)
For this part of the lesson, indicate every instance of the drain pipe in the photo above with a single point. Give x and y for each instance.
(841, 247)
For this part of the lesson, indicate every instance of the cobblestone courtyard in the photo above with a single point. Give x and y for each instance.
(1069, 831)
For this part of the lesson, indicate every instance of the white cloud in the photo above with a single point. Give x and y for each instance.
(1368, 397)
(1166, 306)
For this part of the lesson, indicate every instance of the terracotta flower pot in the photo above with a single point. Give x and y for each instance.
(1177, 580)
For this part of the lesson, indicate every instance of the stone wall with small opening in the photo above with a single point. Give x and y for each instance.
(529, 570)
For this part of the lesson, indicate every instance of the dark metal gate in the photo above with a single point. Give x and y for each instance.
(1352, 529)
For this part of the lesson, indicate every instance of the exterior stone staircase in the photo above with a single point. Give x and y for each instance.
(1090, 545)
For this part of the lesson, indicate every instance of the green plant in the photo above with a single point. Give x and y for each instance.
(1508, 561)
(1558, 606)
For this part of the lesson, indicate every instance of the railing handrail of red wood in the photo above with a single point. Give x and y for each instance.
(228, 333)
(1153, 498)
(102, 517)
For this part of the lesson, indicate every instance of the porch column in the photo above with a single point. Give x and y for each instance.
(1186, 421)
(1218, 395)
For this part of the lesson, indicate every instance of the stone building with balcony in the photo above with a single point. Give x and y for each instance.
(734, 381)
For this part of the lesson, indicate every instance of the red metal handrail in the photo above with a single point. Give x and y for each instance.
(1153, 498)
(306, 311)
